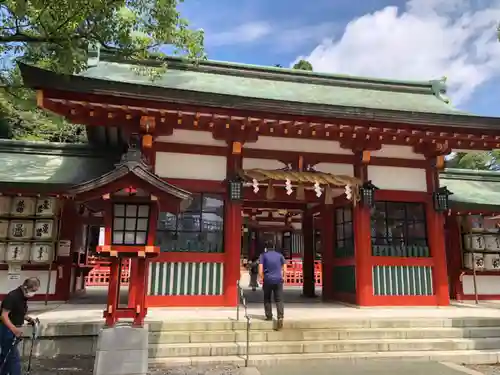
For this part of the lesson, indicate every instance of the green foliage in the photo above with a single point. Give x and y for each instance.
(57, 35)
(303, 65)
(475, 160)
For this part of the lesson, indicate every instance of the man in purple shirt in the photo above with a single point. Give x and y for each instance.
(272, 269)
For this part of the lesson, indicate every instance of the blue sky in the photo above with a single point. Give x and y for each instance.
(413, 39)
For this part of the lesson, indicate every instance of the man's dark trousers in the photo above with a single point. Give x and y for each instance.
(13, 363)
(276, 290)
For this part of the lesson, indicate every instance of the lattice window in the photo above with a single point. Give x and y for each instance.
(130, 224)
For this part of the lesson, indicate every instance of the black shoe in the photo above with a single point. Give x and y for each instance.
(269, 318)
(254, 289)
(279, 326)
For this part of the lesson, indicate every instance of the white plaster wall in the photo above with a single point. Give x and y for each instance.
(253, 163)
(396, 178)
(191, 137)
(7, 285)
(335, 168)
(486, 284)
(188, 166)
(297, 145)
(399, 152)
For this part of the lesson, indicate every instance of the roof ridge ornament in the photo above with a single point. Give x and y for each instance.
(439, 89)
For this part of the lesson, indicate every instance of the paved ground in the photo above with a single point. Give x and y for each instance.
(486, 369)
(84, 366)
(367, 367)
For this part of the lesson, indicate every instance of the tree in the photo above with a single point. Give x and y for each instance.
(303, 65)
(57, 35)
(488, 160)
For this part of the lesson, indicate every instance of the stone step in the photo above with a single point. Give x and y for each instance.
(233, 325)
(331, 346)
(173, 337)
(465, 357)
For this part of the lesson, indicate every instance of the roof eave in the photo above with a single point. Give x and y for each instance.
(37, 78)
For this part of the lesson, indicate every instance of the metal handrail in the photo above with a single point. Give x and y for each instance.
(243, 301)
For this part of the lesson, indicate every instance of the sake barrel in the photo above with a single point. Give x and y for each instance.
(491, 262)
(492, 242)
(23, 206)
(21, 230)
(41, 252)
(474, 242)
(18, 252)
(471, 258)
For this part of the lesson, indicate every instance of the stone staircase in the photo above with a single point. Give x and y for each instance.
(462, 340)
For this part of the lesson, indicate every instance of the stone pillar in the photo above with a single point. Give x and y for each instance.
(308, 286)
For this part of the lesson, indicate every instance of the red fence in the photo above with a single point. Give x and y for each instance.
(99, 276)
(295, 274)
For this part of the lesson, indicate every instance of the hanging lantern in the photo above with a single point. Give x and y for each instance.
(441, 199)
(235, 187)
(368, 194)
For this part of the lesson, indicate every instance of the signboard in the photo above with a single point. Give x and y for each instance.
(64, 248)
(14, 275)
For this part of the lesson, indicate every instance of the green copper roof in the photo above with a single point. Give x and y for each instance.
(473, 190)
(50, 166)
(250, 81)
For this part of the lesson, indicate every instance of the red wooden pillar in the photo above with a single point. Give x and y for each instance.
(232, 249)
(327, 245)
(113, 292)
(140, 295)
(363, 255)
(436, 237)
(453, 254)
(435, 225)
(132, 285)
(308, 286)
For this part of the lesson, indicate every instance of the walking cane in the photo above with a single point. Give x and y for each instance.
(15, 342)
(34, 336)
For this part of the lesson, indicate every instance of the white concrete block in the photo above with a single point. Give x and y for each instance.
(122, 351)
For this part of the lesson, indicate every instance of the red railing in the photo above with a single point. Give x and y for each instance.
(295, 274)
(99, 275)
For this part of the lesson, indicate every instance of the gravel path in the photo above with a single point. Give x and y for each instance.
(74, 365)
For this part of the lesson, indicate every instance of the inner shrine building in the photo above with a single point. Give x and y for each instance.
(333, 169)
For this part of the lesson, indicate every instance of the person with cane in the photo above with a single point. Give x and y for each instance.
(14, 309)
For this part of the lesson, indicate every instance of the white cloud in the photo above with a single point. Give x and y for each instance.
(245, 33)
(282, 37)
(426, 40)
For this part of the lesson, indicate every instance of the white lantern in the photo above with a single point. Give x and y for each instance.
(5, 204)
(46, 206)
(21, 230)
(474, 242)
(18, 252)
(23, 206)
(42, 252)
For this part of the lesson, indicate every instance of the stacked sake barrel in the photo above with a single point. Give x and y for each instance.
(481, 244)
(27, 229)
